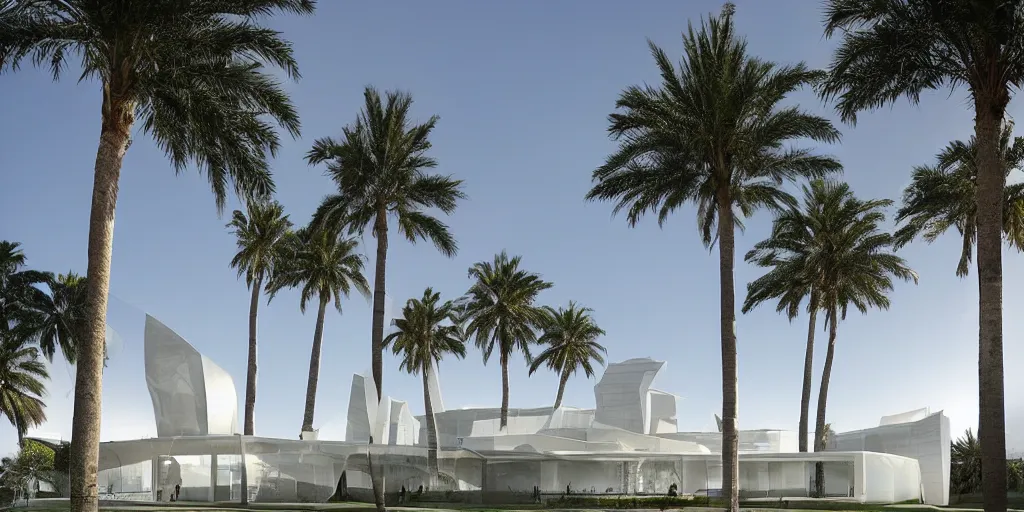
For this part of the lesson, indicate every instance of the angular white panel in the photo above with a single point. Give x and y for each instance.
(662, 412)
(357, 429)
(621, 395)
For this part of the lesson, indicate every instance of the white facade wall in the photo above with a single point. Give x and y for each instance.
(926, 440)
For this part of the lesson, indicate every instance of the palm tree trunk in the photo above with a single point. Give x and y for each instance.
(250, 376)
(118, 118)
(991, 422)
(504, 390)
(561, 389)
(819, 424)
(431, 430)
(381, 232)
(730, 393)
(805, 395)
(314, 367)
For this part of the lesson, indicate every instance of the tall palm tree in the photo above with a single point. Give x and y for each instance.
(380, 167)
(715, 134)
(571, 334)
(22, 373)
(785, 283)
(260, 237)
(326, 266)
(193, 75)
(834, 245)
(499, 313)
(427, 331)
(945, 195)
(948, 43)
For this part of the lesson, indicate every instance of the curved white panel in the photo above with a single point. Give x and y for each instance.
(185, 387)
(221, 400)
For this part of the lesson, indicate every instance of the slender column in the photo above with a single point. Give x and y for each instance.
(245, 471)
(212, 496)
(155, 477)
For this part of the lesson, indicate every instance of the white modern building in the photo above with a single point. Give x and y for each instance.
(628, 444)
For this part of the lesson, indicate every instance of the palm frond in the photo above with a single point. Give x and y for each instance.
(571, 335)
(500, 310)
(260, 237)
(899, 49)
(944, 196)
(425, 333)
(830, 247)
(323, 263)
(714, 127)
(196, 75)
(379, 166)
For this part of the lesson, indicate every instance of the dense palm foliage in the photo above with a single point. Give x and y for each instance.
(325, 266)
(22, 376)
(380, 166)
(965, 467)
(834, 245)
(47, 308)
(944, 195)
(715, 134)
(965, 464)
(260, 237)
(192, 74)
(571, 335)
(58, 317)
(18, 286)
(501, 314)
(427, 331)
(33, 323)
(901, 48)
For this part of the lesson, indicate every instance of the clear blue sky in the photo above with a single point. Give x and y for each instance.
(523, 90)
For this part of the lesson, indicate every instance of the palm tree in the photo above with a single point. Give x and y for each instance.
(571, 334)
(833, 245)
(260, 238)
(427, 331)
(379, 166)
(945, 195)
(500, 314)
(946, 44)
(21, 380)
(715, 134)
(326, 266)
(194, 76)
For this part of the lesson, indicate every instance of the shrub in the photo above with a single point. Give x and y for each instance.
(628, 502)
(62, 458)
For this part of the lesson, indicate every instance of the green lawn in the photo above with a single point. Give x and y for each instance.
(789, 506)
